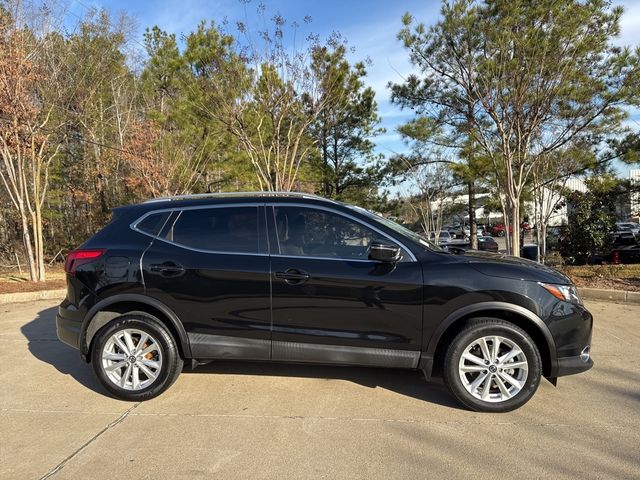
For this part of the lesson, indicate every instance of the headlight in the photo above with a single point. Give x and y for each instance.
(567, 293)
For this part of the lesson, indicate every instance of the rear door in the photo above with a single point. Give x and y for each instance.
(210, 265)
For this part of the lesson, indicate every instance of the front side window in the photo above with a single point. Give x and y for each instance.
(226, 229)
(311, 232)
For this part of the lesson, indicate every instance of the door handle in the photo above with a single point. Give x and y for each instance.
(293, 276)
(167, 269)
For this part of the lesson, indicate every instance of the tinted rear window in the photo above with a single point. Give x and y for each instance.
(228, 229)
(152, 223)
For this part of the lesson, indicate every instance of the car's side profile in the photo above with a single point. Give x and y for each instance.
(297, 278)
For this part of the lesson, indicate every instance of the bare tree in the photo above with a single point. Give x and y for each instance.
(548, 182)
(434, 183)
(25, 147)
(159, 164)
(267, 98)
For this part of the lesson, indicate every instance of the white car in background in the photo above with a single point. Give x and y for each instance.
(632, 227)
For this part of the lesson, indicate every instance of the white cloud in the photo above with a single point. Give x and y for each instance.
(629, 24)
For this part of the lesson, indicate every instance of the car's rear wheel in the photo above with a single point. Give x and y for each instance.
(492, 366)
(135, 357)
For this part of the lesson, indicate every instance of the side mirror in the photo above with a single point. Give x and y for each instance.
(384, 252)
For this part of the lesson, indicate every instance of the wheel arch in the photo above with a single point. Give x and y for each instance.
(519, 316)
(109, 308)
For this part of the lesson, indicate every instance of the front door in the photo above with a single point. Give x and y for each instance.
(211, 267)
(330, 303)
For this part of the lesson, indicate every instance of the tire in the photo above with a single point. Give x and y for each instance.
(464, 377)
(155, 371)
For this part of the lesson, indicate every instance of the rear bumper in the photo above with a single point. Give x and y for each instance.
(68, 326)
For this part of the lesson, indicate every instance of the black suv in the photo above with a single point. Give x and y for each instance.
(292, 277)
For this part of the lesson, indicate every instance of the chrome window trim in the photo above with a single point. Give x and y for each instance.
(135, 223)
(337, 212)
(272, 204)
(222, 195)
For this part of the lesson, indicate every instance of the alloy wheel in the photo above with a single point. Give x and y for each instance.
(132, 359)
(493, 368)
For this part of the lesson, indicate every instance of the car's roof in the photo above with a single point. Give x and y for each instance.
(179, 201)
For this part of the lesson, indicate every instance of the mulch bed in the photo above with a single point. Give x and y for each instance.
(613, 277)
(17, 287)
(629, 284)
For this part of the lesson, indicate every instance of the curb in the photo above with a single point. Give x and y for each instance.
(32, 296)
(618, 296)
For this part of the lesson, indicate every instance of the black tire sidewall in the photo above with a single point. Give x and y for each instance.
(170, 362)
(488, 328)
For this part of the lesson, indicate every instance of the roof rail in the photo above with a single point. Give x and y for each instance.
(195, 196)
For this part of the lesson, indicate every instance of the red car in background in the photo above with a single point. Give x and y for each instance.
(499, 230)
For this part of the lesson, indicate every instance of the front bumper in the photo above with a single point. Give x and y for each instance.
(572, 365)
(571, 327)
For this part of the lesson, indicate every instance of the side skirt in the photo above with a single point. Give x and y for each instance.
(209, 347)
(342, 354)
(204, 346)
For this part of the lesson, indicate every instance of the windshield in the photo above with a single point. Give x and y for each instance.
(404, 231)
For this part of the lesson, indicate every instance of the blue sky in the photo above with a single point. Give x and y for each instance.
(369, 26)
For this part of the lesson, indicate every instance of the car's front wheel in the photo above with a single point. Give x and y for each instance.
(135, 357)
(492, 366)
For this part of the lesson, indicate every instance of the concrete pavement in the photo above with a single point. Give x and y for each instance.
(248, 420)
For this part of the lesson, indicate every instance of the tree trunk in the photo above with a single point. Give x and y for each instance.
(28, 247)
(543, 242)
(325, 165)
(39, 242)
(506, 223)
(336, 163)
(515, 225)
(473, 228)
(537, 215)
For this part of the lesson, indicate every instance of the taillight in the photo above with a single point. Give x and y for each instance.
(615, 258)
(79, 257)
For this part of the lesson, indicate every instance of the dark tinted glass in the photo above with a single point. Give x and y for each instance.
(318, 233)
(153, 223)
(227, 229)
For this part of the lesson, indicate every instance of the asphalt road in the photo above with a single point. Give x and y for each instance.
(240, 420)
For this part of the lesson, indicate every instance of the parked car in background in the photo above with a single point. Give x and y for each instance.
(555, 236)
(288, 277)
(628, 227)
(443, 237)
(464, 231)
(487, 244)
(499, 230)
(625, 249)
(458, 231)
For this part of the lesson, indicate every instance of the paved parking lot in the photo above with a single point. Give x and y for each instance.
(240, 420)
